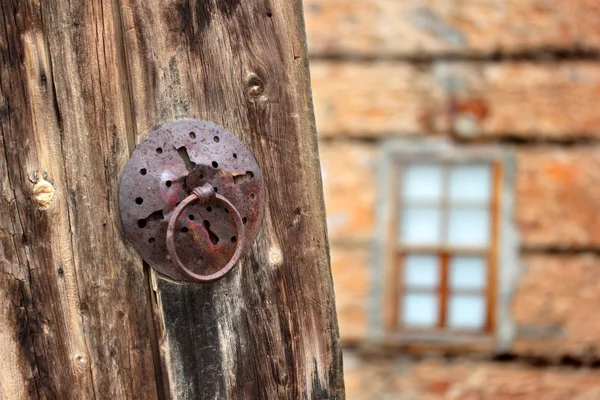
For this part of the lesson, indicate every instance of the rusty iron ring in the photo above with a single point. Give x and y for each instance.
(202, 195)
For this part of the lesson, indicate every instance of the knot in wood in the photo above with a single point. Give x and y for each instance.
(204, 193)
(255, 85)
(43, 194)
(275, 257)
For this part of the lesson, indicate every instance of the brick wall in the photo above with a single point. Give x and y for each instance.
(381, 377)
(522, 75)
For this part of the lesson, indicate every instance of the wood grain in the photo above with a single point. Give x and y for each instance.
(268, 330)
(80, 315)
(80, 83)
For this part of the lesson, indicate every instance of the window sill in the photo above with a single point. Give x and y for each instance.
(440, 341)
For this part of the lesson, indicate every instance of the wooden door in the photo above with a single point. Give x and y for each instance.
(81, 316)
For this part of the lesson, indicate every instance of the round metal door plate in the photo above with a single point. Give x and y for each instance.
(166, 168)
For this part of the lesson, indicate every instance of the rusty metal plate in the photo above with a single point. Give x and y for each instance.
(164, 170)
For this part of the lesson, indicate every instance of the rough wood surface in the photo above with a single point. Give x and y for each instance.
(268, 330)
(81, 82)
(77, 325)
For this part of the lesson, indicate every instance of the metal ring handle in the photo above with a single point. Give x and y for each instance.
(204, 194)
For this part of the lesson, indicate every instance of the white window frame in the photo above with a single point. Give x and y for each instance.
(507, 265)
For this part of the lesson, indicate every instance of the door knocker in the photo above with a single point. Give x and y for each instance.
(191, 200)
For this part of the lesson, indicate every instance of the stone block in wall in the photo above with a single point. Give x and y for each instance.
(351, 267)
(558, 196)
(398, 378)
(429, 27)
(555, 307)
(471, 100)
(373, 99)
(349, 184)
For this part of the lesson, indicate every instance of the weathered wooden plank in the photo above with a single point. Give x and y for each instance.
(78, 325)
(17, 380)
(79, 311)
(17, 361)
(268, 330)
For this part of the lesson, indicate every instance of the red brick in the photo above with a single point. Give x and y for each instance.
(433, 379)
(424, 27)
(556, 307)
(489, 99)
(350, 268)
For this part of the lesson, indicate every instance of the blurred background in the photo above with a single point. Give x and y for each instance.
(460, 149)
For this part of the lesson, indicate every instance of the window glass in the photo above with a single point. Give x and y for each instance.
(421, 271)
(468, 227)
(422, 182)
(467, 272)
(466, 312)
(470, 183)
(444, 207)
(420, 310)
(420, 225)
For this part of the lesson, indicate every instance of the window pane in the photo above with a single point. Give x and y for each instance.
(421, 271)
(466, 312)
(420, 226)
(468, 273)
(469, 227)
(422, 182)
(470, 183)
(420, 310)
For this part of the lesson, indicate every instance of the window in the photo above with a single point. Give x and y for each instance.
(445, 247)
(446, 254)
